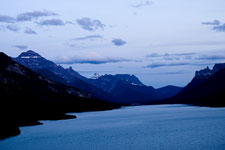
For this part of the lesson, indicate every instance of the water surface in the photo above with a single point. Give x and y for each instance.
(159, 127)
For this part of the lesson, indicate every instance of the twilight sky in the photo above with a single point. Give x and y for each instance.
(161, 42)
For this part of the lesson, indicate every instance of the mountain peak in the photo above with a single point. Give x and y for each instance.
(33, 60)
(29, 54)
(129, 78)
(207, 73)
(95, 76)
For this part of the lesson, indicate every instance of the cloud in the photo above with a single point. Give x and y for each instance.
(69, 22)
(29, 31)
(220, 28)
(211, 57)
(90, 25)
(154, 55)
(163, 64)
(6, 19)
(92, 58)
(191, 59)
(217, 26)
(13, 28)
(167, 54)
(22, 47)
(29, 16)
(51, 22)
(169, 72)
(118, 42)
(215, 22)
(91, 37)
(142, 3)
(180, 54)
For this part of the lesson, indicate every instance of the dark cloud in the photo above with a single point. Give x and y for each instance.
(13, 28)
(89, 60)
(29, 16)
(118, 42)
(90, 25)
(215, 22)
(91, 37)
(22, 47)
(29, 31)
(142, 3)
(154, 55)
(212, 57)
(169, 72)
(220, 28)
(51, 22)
(164, 64)
(6, 19)
(180, 54)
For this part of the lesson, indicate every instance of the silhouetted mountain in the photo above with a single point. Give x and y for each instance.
(207, 88)
(50, 70)
(129, 90)
(27, 97)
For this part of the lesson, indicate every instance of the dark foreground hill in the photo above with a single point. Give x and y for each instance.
(207, 88)
(26, 97)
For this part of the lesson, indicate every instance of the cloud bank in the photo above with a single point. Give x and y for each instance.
(92, 58)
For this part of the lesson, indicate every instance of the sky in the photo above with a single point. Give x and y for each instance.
(161, 42)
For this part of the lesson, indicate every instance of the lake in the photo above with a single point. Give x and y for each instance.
(157, 127)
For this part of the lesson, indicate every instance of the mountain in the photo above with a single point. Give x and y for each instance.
(207, 88)
(129, 90)
(123, 89)
(27, 97)
(169, 91)
(36, 62)
(50, 70)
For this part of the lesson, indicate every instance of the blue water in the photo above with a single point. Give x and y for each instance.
(159, 127)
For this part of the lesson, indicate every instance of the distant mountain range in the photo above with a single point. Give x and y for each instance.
(128, 89)
(207, 88)
(123, 89)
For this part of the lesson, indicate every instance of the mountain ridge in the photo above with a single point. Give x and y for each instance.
(124, 89)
